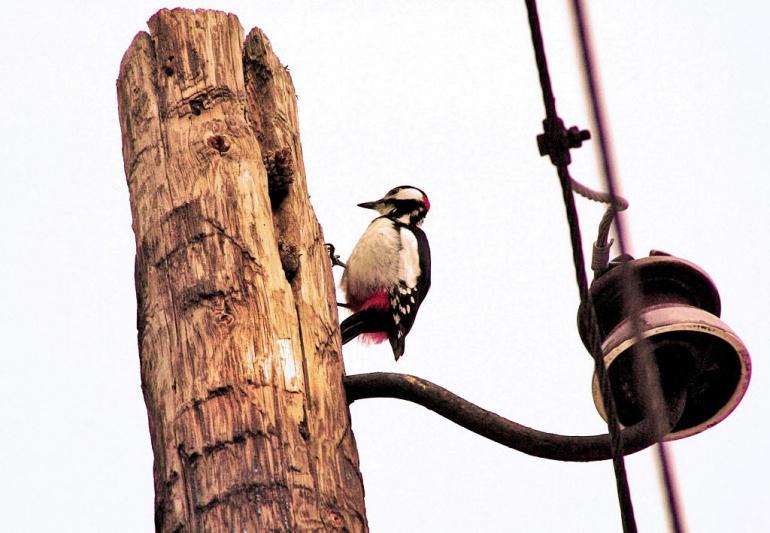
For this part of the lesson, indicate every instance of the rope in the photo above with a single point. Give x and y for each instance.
(648, 378)
(618, 202)
(561, 161)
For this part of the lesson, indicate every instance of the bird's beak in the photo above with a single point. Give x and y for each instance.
(371, 205)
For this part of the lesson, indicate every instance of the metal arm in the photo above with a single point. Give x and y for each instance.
(499, 429)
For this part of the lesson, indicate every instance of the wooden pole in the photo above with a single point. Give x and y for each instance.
(238, 338)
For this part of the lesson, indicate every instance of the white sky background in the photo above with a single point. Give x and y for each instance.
(442, 95)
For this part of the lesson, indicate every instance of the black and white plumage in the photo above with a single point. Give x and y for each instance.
(388, 273)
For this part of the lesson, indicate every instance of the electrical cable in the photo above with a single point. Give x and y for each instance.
(557, 146)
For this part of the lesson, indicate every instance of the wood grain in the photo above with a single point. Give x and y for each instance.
(241, 368)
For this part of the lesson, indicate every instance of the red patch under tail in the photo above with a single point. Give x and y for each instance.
(376, 300)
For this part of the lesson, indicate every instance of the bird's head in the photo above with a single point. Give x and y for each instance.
(406, 204)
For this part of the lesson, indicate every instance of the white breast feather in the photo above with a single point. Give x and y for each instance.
(375, 261)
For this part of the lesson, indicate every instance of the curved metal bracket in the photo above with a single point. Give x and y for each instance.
(501, 430)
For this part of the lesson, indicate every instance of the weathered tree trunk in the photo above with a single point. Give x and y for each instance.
(238, 338)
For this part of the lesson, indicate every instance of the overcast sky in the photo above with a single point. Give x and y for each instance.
(444, 96)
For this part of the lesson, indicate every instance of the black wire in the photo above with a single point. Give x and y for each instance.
(618, 462)
(624, 494)
(648, 378)
(542, 63)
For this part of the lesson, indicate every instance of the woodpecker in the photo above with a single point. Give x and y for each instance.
(388, 273)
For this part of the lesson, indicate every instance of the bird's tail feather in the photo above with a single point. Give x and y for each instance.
(352, 327)
(367, 321)
(398, 344)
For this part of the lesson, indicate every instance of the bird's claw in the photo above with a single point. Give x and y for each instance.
(335, 259)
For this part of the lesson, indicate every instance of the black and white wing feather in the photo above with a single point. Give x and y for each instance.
(414, 282)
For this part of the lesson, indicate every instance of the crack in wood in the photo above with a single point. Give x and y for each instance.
(184, 242)
(192, 456)
(200, 101)
(258, 489)
(242, 247)
(216, 392)
(135, 160)
(206, 294)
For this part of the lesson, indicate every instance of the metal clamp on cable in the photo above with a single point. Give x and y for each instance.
(601, 257)
(556, 141)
